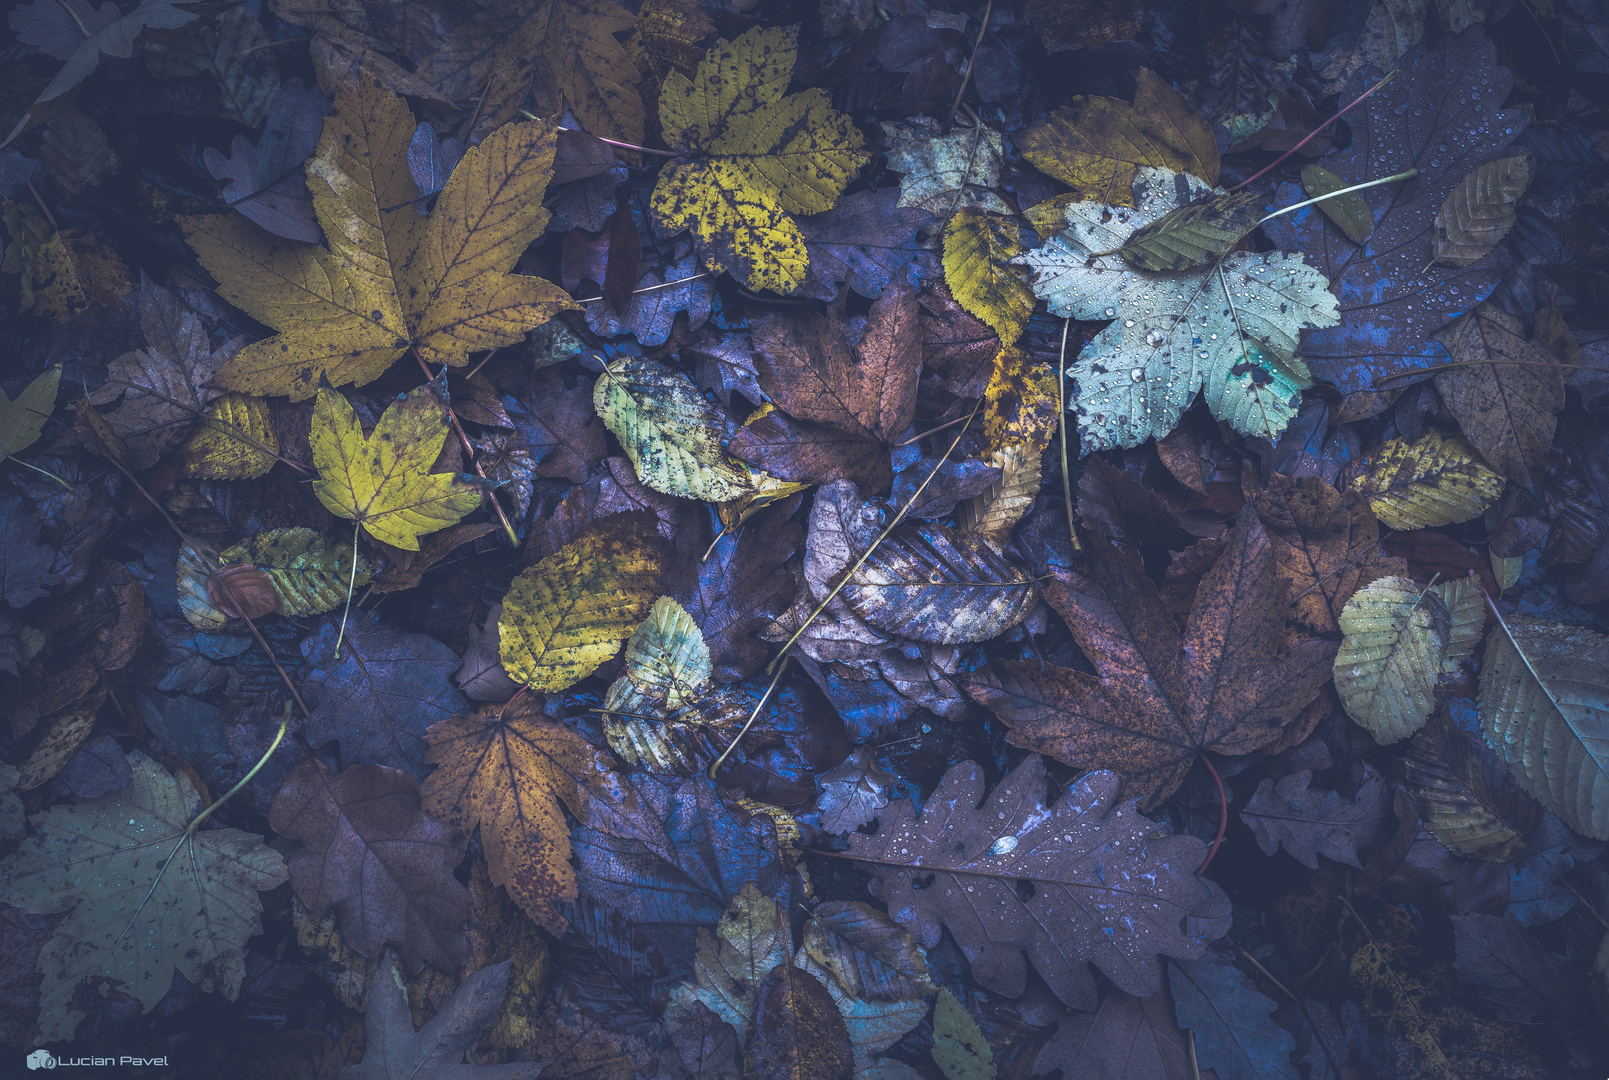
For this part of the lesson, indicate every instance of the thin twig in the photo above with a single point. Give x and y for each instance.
(33, 191)
(1268, 974)
(972, 62)
(1061, 425)
(469, 451)
(614, 142)
(650, 288)
(1451, 364)
(1275, 163)
(1223, 816)
(744, 730)
(919, 436)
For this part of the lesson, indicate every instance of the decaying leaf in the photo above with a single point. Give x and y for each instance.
(978, 249)
(1396, 637)
(1226, 684)
(675, 439)
(959, 1048)
(1236, 1034)
(867, 953)
(1349, 212)
(1465, 796)
(1508, 394)
(143, 898)
(266, 181)
(1479, 212)
(753, 156)
(1114, 895)
(945, 173)
(236, 440)
(388, 281)
(1194, 235)
(853, 793)
(370, 852)
(570, 612)
(1310, 822)
(1419, 484)
(383, 480)
(1543, 707)
(1020, 417)
(798, 1032)
(1095, 144)
(732, 963)
(1230, 329)
(507, 770)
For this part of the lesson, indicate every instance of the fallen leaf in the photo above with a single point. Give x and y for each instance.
(1464, 794)
(798, 1033)
(387, 282)
(853, 793)
(1194, 235)
(944, 173)
(1236, 1034)
(561, 52)
(1396, 637)
(393, 1050)
(369, 852)
(144, 898)
(978, 249)
(382, 481)
(1542, 685)
(237, 439)
(266, 181)
(752, 157)
(380, 694)
(867, 243)
(751, 939)
(866, 953)
(1310, 822)
(22, 419)
(959, 1047)
(1507, 396)
(71, 272)
(1517, 976)
(235, 50)
(1231, 329)
(1349, 212)
(27, 567)
(1021, 414)
(1479, 212)
(1227, 684)
(1095, 144)
(569, 613)
(1114, 895)
(76, 152)
(740, 588)
(507, 770)
(1127, 1038)
(1419, 484)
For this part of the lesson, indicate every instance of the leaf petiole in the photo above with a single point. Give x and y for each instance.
(37, 469)
(284, 724)
(1343, 191)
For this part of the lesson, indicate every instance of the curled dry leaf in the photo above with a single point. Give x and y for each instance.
(1544, 705)
(853, 793)
(1113, 894)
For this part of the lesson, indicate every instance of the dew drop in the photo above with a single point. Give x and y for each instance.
(1138, 374)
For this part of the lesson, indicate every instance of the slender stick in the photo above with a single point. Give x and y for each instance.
(1405, 174)
(34, 191)
(37, 469)
(1223, 816)
(972, 62)
(1269, 974)
(744, 730)
(1392, 74)
(651, 288)
(1453, 364)
(919, 436)
(1061, 424)
(469, 451)
(352, 583)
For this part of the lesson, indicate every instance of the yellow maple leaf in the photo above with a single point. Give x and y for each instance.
(570, 612)
(507, 770)
(753, 155)
(562, 52)
(383, 481)
(978, 249)
(1095, 144)
(389, 280)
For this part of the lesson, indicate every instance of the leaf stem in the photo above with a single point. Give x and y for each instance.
(744, 730)
(226, 796)
(37, 469)
(1405, 174)
(1392, 74)
(469, 451)
(1223, 815)
(1258, 964)
(1452, 364)
(1061, 415)
(351, 584)
(972, 62)
(608, 142)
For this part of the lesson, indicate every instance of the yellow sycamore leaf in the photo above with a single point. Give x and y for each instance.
(669, 37)
(570, 612)
(237, 440)
(753, 155)
(1095, 144)
(22, 420)
(389, 280)
(1434, 480)
(383, 480)
(561, 52)
(674, 438)
(1020, 414)
(978, 249)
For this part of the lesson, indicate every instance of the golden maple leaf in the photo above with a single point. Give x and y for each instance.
(389, 280)
(753, 155)
(563, 52)
(383, 481)
(507, 770)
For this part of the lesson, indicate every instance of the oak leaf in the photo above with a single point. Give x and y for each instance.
(562, 52)
(369, 851)
(143, 897)
(382, 481)
(1235, 1031)
(753, 155)
(388, 281)
(1226, 684)
(570, 612)
(1107, 889)
(507, 770)
(853, 793)
(1310, 821)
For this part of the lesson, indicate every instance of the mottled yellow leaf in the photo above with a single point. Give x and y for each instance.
(1436, 480)
(753, 155)
(73, 270)
(1020, 415)
(674, 438)
(570, 612)
(978, 249)
(1095, 144)
(389, 280)
(237, 440)
(384, 480)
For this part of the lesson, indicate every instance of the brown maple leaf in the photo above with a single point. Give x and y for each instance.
(1226, 684)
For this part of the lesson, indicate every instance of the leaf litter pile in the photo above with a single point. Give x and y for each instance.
(737, 539)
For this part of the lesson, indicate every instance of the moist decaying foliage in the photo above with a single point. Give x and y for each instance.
(626, 539)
